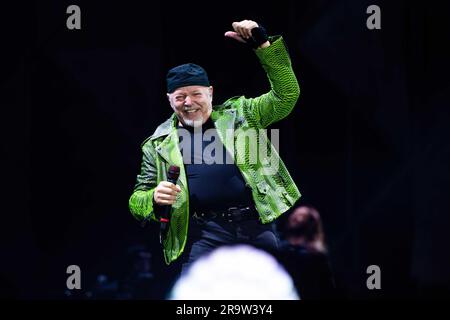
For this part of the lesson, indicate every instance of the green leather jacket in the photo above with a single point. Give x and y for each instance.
(274, 191)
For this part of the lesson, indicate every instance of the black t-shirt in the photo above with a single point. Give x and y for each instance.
(215, 183)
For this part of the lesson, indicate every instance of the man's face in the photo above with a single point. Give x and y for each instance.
(192, 104)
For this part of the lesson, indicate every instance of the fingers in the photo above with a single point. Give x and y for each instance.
(244, 28)
(164, 198)
(167, 196)
(168, 190)
(234, 35)
(240, 30)
(165, 202)
(166, 193)
(170, 185)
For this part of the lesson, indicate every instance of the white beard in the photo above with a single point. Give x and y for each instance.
(194, 123)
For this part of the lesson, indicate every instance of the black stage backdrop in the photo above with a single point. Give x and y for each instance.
(367, 144)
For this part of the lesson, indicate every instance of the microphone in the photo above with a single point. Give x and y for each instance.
(172, 177)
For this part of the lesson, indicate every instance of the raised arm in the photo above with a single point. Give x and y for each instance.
(274, 57)
(284, 89)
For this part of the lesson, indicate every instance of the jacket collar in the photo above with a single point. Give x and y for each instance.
(165, 128)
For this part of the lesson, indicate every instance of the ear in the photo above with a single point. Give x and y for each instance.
(211, 90)
(170, 102)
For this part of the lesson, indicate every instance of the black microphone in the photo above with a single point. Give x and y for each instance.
(172, 177)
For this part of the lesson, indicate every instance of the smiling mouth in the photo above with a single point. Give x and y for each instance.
(191, 110)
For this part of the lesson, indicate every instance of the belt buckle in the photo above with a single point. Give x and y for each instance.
(232, 214)
(199, 217)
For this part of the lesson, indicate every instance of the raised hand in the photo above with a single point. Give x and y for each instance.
(242, 30)
(243, 33)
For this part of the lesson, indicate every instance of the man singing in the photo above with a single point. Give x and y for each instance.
(218, 201)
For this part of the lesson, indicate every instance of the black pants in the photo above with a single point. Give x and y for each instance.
(205, 236)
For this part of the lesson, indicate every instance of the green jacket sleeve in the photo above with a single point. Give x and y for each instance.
(284, 89)
(141, 201)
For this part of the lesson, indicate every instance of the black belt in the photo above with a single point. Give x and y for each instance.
(232, 214)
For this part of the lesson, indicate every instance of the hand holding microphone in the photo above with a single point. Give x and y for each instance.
(249, 32)
(165, 195)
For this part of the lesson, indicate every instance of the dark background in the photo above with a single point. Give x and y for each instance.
(367, 144)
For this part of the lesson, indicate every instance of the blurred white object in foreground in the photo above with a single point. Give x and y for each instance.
(235, 273)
